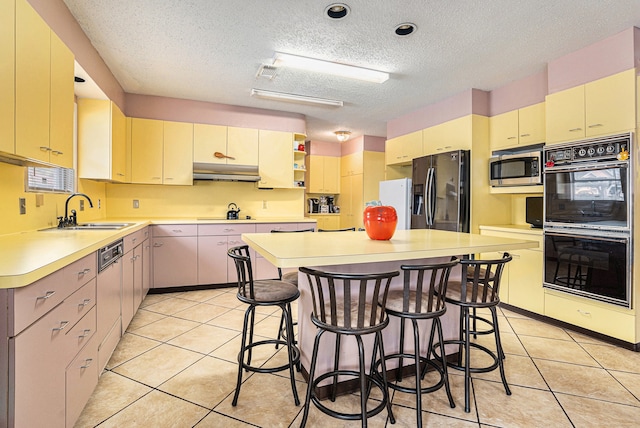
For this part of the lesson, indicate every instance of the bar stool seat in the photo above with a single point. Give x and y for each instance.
(421, 298)
(263, 293)
(479, 289)
(347, 305)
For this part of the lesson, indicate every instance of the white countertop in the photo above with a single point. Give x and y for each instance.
(291, 250)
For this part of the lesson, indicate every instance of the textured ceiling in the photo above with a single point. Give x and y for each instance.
(211, 50)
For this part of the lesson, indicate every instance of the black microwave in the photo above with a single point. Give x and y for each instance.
(518, 169)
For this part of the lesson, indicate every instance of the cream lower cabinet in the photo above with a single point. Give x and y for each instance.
(326, 221)
(521, 284)
(175, 255)
(50, 347)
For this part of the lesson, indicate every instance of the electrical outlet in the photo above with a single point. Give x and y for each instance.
(39, 199)
(99, 203)
(264, 204)
(136, 203)
(81, 204)
(23, 206)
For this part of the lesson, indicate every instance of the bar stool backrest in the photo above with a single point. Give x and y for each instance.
(348, 302)
(426, 285)
(346, 229)
(242, 261)
(483, 279)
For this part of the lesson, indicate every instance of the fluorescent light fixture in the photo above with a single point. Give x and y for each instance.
(283, 96)
(328, 67)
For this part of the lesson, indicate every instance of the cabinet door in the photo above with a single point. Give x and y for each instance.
(118, 144)
(212, 259)
(503, 130)
(94, 134)
(146, 151)
(352, 205)
(315, 169)
(175, 261)
(393, 151)
(610, 104)
(275, 159)
(178, 153)
(242, 146)
(565, 115)
(525, 280)
(138, 276)
(208, 139)
(451, 135)
(128, 284)
(531, 124)
(7, 76)
(146, 267)
(62, 104)
(351, 164)
(403, 149)
(331, 174)
(33, 76)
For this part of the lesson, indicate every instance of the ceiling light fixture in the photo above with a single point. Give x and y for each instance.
(343, 136)
(405, 29)
(337, 10)
(328, 67)
(283, 96)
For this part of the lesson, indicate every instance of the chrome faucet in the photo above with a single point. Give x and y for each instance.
(68, 221)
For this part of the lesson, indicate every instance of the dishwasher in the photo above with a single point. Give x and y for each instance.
(108, 296)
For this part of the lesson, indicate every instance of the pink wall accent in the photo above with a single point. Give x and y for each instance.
(520, 93)
(324, 148)
(180, 110)
(353, 145)
(471, 101)
(604, 58)
(57, 16)
(374, 144)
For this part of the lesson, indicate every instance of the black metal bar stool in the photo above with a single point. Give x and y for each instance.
(422, 298)
(346, 229)
(347, 305)
(478, 289)
(263, 293)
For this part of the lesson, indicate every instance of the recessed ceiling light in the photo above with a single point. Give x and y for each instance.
(405, 29)
(337, 10)
(329, 67)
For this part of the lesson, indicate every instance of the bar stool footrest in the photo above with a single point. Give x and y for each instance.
(408, 390)
(250, 368)
(459, 367)
(349, 416)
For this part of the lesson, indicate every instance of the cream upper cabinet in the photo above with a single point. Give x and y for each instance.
(601, 107)
(351, 164)
(324, 174)
(32, 80)
(7, 76)
(275, 159)
(62, 104)
(146, 151)
(101, 140)
(207, 140)
(242, 146)
(402, 150)
(177, 165)
(454, 134)
(520, 127)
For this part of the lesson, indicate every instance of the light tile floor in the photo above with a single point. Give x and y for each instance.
(176, 367)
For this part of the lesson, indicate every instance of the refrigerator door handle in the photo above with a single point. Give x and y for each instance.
(429, 204)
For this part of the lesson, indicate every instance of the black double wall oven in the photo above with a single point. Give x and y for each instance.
(588, 204)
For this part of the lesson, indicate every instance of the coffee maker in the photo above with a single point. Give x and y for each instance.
(314, 205)
(330, 200)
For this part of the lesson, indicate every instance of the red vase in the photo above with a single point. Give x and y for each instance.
(380, 222)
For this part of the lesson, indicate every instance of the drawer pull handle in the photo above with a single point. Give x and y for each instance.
(84, 303)
(157, 244)
(228, 230)
(595, 125)
(86, 332)
(87, 363)
(222, 243)
(176, 230)
(134, 239)
(585, 313)
(525, 135)
(84, 272)
(63, 325)
(46, 295)
(511, 138)
(575, 129)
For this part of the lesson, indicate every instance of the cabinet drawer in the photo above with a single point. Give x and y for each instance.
(81, 302)
(82, 271)
(593, 316)
(268, 227)
(225, 229)
(175, 230)
(135, 238)
(81, 378)
(80, 334)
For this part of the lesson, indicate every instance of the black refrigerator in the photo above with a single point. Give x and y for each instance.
(440, 191)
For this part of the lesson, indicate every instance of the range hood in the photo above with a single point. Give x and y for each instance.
(224, 172)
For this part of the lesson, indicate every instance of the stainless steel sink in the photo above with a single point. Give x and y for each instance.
(92, 226)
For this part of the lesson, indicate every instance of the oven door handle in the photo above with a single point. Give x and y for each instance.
(590, 166)
(621, 240)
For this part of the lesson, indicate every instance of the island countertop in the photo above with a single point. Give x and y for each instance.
(293, 250)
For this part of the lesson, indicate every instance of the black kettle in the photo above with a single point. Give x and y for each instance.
(232, 214)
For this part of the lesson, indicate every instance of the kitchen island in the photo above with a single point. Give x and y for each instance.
(354, 252)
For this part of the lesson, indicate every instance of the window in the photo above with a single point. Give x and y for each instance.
(55, 180)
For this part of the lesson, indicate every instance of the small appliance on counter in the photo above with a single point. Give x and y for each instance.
(314, 205)
(330, 204)
(533, 211)
(233, 214)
